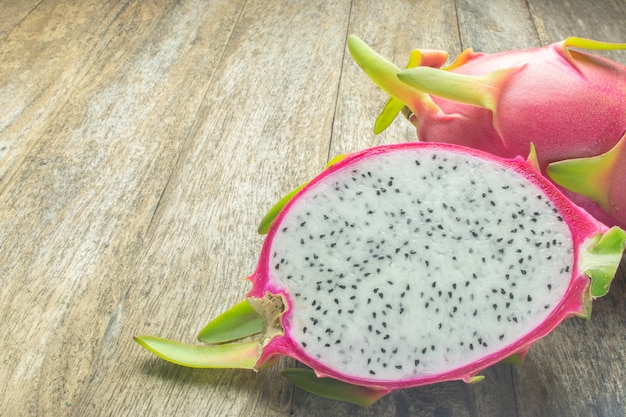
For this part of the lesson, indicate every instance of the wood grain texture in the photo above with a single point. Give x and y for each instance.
(14, 11)
(140, 144)
(496, 25)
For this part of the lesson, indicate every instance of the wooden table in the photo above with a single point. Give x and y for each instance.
(140, 144)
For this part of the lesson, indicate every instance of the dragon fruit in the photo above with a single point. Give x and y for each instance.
(570, 104)
(406, 265)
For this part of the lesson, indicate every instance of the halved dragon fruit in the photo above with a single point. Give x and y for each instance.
(406, 265)
(570, 104)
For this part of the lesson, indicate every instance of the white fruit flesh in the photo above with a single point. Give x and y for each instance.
(414, 262)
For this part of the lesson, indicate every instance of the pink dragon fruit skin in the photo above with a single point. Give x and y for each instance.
(570, 104)
(278, 309)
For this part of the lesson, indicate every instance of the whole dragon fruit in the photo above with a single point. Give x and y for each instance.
(406, 265)
(570, 104)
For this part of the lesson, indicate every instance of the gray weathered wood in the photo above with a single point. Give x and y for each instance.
(140, 144)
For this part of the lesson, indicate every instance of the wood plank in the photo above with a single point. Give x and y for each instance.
(603, 21)
(41, 62)
(82, 201)
(496, 25)
(13, 12)
(263, 127)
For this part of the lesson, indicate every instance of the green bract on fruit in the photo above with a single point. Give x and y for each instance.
(570, 104)
(407, 265)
